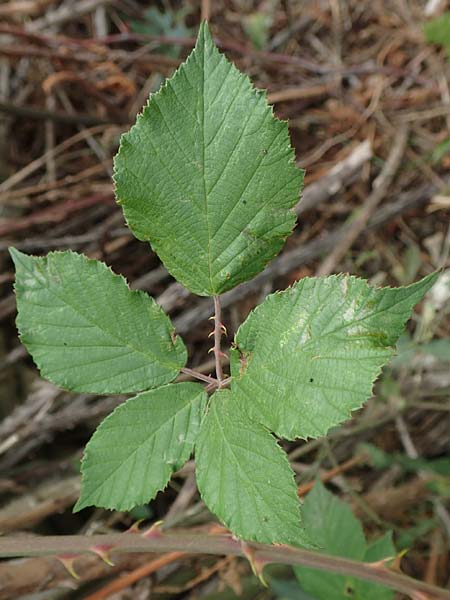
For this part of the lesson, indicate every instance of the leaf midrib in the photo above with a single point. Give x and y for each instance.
(237, 462)
(202, 162)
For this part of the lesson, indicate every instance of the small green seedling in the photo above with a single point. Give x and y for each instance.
(207, 176)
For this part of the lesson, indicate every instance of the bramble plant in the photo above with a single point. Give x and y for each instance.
(207, 176)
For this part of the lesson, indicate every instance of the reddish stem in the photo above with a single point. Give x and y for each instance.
(217, 337)
(198, 543)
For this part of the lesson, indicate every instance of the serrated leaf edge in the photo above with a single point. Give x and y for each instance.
(16, 254)
(204, 34)
(346, 414)
(85, 503)
(277, 448)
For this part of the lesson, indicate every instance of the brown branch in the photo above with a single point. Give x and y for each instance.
(129, 578)
(32, 112)
(230, 45)
(380, 189)
(206, 10)
(304, 488)
(198, 543)
(198, 375)
(22, 577)
(340, 176)
(65, 13)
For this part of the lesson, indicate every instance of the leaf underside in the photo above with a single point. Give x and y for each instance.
(207, 174)
(87, 331)
(244, 476)
(308, 356)
(135, 450)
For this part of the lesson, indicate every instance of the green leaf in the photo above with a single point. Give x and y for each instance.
(207, 174)
(308, 356)
(378, 550)
(244, 476)
(443, 148)
(87, 331)
(169, 23)
(331, 523)
(407, 537)
(135, 450)
(286, 589)
(440, 349)
(437, 31)
(384, 460)
(411, 354)
(257, 26)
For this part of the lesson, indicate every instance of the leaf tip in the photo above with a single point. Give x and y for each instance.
(13, 252)
(204, 34)
(80, 504)
(17, 256)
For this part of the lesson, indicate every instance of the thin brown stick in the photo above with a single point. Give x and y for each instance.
(380, 189)
(411, 452)
(198, 375)
(198, 543)
(36, 164)
(206, 10)
(334, 181)
(303, 489)
(65, 13)
(32, 112)
(126, 580)
(435, 554)
(301, 93)
(66, 181)
(204, 575)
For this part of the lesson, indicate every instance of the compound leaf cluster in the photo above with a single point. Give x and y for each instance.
(207, 176)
